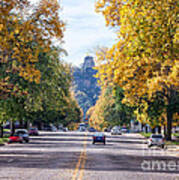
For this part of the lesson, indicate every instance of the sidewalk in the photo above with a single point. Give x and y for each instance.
(173, 149)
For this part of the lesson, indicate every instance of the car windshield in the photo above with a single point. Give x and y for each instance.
(156, 136)
(99, 134)
(21, 132)
(33, 128)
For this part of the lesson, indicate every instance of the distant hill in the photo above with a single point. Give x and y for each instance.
(85, 84)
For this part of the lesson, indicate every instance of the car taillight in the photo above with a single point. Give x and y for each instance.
(150, 139)
(94, 137)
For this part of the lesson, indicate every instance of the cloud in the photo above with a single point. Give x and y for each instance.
(85, 29)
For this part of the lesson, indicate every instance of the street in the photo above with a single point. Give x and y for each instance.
(72, 156)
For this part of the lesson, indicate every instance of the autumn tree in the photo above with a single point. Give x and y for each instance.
(24, 32)
(109, 110)
(34, 81)
(144, 61)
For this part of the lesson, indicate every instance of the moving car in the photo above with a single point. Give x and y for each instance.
(115, 131)
(99, 137)
(33, 131)
(15, 138)
(156, 140)
(23, 133)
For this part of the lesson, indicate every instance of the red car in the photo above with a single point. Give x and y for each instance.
(15, 138)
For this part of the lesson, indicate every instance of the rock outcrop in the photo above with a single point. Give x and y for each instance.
(85, 84)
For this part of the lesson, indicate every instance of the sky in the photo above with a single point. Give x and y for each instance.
(85, 29)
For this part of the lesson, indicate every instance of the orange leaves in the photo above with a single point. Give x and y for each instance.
(30, 73)
(24, 33)
(149, 46)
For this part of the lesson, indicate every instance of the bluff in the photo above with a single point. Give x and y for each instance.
(85, 84)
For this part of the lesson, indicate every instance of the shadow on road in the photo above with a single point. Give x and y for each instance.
(44, 153)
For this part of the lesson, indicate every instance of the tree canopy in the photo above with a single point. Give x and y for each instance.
(144, 61)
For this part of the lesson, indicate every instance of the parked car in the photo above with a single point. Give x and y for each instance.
(91, 129)
(33, 131)
(81, 129)
(47, 128)
(156, 140)
(63, 129)
(99, 137)
(124, 130)
(107, 130)
(23, 133)
(50, 128)
(16, 138)
(115, 131)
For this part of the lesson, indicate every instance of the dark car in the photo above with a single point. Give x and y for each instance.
(107, 130)
(99, 137)
(47, 128)
(91, 129)
(16, 138)
(33, 131)
(23, 133)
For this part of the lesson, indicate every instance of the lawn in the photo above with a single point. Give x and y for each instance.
(173, 142)
(176, 134)
(146, 135)
(3, 140)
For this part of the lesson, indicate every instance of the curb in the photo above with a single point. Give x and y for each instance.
(173, 147)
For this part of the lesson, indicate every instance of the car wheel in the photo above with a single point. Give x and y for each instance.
(26, 141)
(162, 146)
(21, 141)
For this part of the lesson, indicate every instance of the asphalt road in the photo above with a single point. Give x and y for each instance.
(71, 156)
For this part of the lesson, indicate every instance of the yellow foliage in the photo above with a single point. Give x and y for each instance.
(25, 34)
(145, 59)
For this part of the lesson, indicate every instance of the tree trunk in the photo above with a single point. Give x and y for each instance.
(169, 125)
(12, 127)
(159, 129)
(21, 124)
(1, 130)
(146, 129)
(153, 130)
(165, 131)
(26, 125)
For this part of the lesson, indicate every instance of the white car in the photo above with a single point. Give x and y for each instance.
(156, 140)
(115, 131)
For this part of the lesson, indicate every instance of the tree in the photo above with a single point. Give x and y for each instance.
(109, 110)
(144, 61)
(24, 32)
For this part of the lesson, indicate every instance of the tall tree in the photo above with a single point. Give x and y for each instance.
(22, 27)
(144, 61)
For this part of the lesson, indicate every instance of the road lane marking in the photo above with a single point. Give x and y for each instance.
(77, 166)
(79, 169)
(82, 167)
